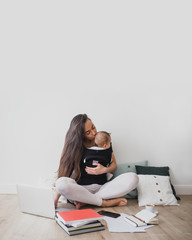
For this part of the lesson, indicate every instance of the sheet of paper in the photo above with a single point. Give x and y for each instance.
(120, 225)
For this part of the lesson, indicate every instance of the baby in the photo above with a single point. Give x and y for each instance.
(103, 142)
(103, 139)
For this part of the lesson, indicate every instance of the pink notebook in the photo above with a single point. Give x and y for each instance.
(69, 217)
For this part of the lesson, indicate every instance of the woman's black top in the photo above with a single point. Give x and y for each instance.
(91, 156)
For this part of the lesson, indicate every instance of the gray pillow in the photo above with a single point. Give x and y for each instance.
(129, 167)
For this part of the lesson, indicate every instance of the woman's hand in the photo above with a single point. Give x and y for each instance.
(99, 169)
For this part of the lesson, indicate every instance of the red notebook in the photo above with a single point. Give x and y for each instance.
(79, 215)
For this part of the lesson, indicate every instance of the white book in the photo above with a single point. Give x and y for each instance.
(141, 219)
(145, 215)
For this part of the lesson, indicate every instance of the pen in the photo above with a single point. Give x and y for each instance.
(131, 222)
(139, 219)
(142, 220)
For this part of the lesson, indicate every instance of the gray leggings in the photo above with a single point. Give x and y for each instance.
(94, 193)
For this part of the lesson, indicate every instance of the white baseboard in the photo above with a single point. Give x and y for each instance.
(183, 189)
(180, 189)
(8, 189)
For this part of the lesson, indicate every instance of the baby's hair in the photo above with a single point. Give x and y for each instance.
(104, 137)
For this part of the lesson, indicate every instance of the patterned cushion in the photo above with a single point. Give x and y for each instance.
(161, 171)
(155, 189)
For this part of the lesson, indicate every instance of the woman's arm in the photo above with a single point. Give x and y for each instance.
(112, 167)
(56, 198)
(100, 169)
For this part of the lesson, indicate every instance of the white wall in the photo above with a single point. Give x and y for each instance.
(127, 65)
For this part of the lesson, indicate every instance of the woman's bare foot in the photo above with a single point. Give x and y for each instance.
(114, 202)
(79, 204)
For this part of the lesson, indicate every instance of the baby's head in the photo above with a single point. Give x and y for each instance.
(103, 139)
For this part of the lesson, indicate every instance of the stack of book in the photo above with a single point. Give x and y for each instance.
(79, 221)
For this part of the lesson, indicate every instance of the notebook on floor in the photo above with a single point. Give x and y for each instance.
(37, 200)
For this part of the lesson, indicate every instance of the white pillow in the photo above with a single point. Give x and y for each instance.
(155, 189)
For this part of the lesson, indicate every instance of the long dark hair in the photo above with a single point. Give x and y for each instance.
(73, 148)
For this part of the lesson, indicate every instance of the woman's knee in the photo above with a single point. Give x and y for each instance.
(135, 179)
(63, 185)
(130, 178)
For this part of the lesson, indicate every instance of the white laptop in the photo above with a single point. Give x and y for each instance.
(37, 200)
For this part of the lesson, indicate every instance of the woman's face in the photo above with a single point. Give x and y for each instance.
(90, 130)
